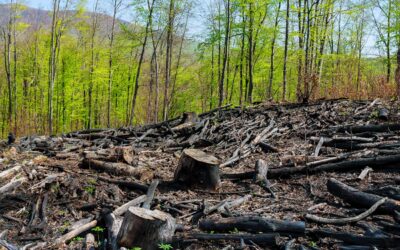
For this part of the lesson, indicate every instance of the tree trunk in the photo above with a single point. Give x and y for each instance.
(225, 59)
(134, 97)
(168, 57)
(397, 75)
(92, 62)
(285, 51)
(145, 228)
(196, 168)
(272, 58)
(250, 60)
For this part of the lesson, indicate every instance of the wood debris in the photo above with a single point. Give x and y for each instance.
(323, 175)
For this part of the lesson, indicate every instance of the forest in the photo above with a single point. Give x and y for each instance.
(80, 65)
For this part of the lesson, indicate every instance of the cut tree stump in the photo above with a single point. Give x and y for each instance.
(145, 228)
(196, 168)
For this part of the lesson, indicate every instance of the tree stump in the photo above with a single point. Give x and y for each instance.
(145, 228)
(196, 168)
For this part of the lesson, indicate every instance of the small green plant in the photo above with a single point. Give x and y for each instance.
(164, 246)
(135, 248)
(98, 229)
(55, 188)
(313, 244)
(77, 239)
(92, 181)
(234, 231)
(374, 115)
(62, 212)
(212, 232)
(89, 189)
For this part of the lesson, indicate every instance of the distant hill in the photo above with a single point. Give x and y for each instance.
(35, 17)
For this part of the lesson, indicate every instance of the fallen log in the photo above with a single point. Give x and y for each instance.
(196, 168)
(126, 184)
(253, 224)
(270, 240)
(135, 202)
(358, 198)
(12, 185)
(342, 221)
(386, 242)
(369, 128)
(9, 172)
(150, 194)
(378, 162)
(70, 235)
(261, 176)
(145, 228)
(116, 168)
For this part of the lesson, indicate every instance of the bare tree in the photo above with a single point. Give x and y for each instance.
(285, 51)
(92, 62)
(116, 6)
(136, 87)
(168, 56)
(225, 58)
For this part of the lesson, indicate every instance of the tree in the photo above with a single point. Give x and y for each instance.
(116, 6)
(168, 56)
(225, 57)
(136, 87)
(92, 62)
(286, 51)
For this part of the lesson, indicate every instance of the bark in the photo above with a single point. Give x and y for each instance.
(136, 88)
(397, 74)
(196, 168)
(116, 6)
(270, 240)
(285, 51)
(225, 56)
(253, 224)
(361, 199)
(251, 53)
(168, 57)
(272, 57)
(342, 221)
(92, 64)
(145, 228)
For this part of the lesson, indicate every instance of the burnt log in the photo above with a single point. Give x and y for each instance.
(260, 239)
(117, 168)
(196, 168)
(387, 242)
(253, 224)
(341, 221)
(369, 128)
(145, 228)
(358, 198)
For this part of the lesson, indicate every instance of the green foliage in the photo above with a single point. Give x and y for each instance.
(98, 229)
(313, 244)
(90, 189)
(77, 239)
(164, 246)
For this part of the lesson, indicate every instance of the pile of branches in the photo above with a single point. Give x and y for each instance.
(295, 176)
